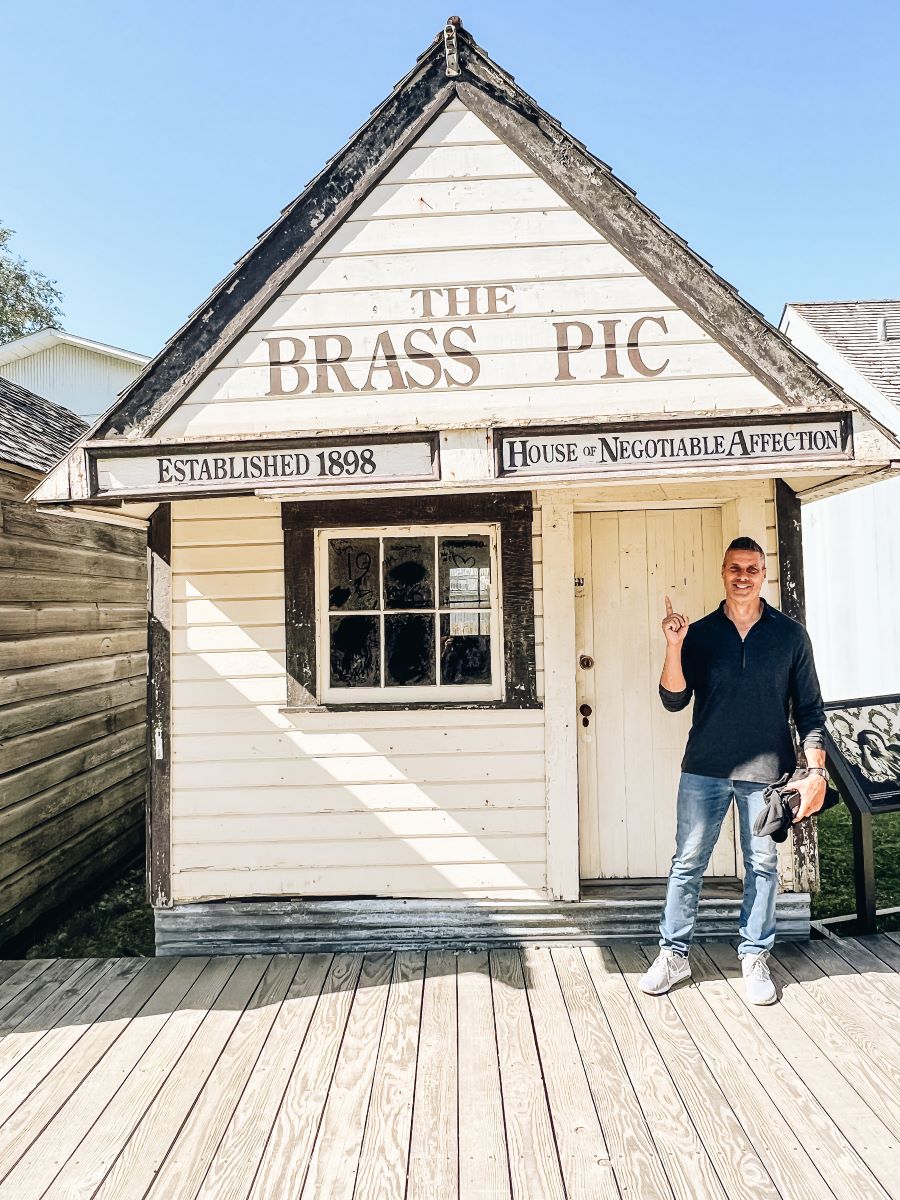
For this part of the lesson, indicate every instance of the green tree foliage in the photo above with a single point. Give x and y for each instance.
(28, 300)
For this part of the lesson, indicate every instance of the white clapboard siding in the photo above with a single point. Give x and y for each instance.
(323, 308)
(497, 881)
(264, 802)
(460, 209)
(467, 405)
(852, 573)
(528, 337)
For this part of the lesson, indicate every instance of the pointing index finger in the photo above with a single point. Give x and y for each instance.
(668, 607)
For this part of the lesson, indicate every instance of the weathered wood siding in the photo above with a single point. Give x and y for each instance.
(72, 703)
(460, 209)
(265, 803)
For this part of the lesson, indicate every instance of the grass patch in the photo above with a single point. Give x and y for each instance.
(117, 923)
(837, 897)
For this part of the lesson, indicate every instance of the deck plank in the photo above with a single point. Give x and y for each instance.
(792, 1169)
(113, 1049)
(9, 966)
(447, 1075)
(483, 1165)
(384, 1157)
(18, 980)
(688, 1165)
(28, 1008)
(238, 1155)
(803, 1083)
(583, 1153)
(34, 1027)
(189, 1156)
(636, 1163)
(733, 1154)
(284, 1160)
(862, 1012)
(107, 1136)
(434, 1141)
(133, 1169)
(28, 1067)
(870, 968)
(882, 946)
(335, 1154)
(846, 1055)
(533, 1159)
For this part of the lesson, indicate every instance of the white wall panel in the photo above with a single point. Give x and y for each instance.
(852, 569)
(268, 803)
(460, 210)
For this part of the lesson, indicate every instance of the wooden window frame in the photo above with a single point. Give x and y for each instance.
(427, 693)
(511, 512)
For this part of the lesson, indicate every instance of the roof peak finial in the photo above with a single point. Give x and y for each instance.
(451, 49)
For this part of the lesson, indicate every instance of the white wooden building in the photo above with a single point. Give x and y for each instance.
(421, 471)
(850, 540)
(79, 373)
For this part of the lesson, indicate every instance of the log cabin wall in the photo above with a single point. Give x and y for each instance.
(442, 802)
(72, 703)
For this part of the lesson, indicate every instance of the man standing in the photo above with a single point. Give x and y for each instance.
(749, 668)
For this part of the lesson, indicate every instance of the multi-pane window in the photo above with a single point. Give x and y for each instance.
(409, 614)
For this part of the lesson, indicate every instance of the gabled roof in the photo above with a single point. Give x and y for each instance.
(34, 432)
(866, 333)
(46, 339)
(585, 182)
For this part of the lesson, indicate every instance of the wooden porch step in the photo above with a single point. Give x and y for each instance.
(609, 912)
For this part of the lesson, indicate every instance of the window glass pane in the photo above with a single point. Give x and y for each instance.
(409, 572)
(408, 649)
(465, 647)
(465, 571)
(352, 573)
(355, 652)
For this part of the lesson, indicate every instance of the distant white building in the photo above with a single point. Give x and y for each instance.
(851, 559)
(82, 375)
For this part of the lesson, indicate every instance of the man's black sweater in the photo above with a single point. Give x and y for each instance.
(745, 691)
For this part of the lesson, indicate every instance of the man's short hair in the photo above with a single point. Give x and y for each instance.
(746, 543)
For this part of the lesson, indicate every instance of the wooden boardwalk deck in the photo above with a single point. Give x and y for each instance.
(532, 1075)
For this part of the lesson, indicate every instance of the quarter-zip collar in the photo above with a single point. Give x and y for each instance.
(766, 615)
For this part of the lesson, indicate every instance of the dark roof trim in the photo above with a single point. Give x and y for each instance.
(666, 259)
(565, 164)
(282, 250)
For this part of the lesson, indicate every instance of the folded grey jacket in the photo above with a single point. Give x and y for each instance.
(745, 692)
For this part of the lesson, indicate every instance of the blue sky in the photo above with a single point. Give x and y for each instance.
(150, 142)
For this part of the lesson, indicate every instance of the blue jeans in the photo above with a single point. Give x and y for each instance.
(702, 804)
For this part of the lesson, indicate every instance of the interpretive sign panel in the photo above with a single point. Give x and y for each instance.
(865, 734)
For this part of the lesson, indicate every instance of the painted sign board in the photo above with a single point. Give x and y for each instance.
(865, 749)
(246, 467)
(612, 449)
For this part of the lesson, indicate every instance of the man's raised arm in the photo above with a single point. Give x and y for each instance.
(673, 687)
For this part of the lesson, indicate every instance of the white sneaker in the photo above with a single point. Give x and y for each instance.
(668, 968)
(758, 984)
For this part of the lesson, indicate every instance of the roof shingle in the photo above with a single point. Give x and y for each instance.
(866, 333)
(34, 432)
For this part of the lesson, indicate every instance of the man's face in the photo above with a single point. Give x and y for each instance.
(743, 572)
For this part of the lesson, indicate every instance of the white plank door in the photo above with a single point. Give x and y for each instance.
(630, 750)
